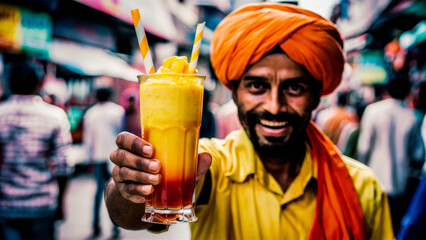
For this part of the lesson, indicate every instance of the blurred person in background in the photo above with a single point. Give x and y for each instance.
(334, 119)
(208, 122)
(52, 98)
(132, 121)
(62, 180)
(419, 103)
(101, 124)
(279, 177)
(34, 138)
(350, 134)
(227, 119)
(391, 144)
(413, 223)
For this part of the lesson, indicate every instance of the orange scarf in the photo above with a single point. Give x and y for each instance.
(338, 212)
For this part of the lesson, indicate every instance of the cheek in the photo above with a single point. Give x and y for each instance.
(301, 106)
(247, 101)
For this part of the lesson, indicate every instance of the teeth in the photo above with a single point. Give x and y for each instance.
(272, 123)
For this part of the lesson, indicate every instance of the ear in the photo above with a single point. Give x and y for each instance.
(317, 89)
(234, 88)
(316, 101)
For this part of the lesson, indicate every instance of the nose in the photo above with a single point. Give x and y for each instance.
(273, 102)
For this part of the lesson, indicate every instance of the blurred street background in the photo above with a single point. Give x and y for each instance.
(77, 223)
(85, 45)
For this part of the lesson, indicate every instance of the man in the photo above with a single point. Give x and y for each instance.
(390, 143)
(132, 121)
(227, 119)
(208, 123)
(34, 138)
(334, 119)
(413, 223)
(102, 122)
(279, 177)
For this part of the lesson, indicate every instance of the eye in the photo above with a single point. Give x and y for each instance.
(295, 89)
(256, 87)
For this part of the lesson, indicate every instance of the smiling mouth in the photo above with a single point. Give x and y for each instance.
(273, 124)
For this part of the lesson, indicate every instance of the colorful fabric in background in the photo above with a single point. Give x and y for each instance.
(246, 34)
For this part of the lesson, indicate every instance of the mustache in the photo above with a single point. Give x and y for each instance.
(291, 118)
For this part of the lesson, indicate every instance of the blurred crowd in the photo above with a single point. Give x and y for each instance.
(387, 134)
(70, 127)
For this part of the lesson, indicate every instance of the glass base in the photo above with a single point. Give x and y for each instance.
(169, 216)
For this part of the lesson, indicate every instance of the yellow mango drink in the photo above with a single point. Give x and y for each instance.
(171, 108)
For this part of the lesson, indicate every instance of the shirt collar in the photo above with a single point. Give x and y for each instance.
(245, 158)
(248, 163)
(17, 97)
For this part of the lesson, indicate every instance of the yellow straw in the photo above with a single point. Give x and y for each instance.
(143, 42)
(196, 48)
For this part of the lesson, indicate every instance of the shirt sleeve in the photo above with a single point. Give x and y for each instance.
(373, 200)
(203, 189)
(382, 223)
(61, 145)
(416, 147)
(366, 138)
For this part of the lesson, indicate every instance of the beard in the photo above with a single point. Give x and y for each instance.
(275, 147)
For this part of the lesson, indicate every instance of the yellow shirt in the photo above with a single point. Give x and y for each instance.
(246, 202)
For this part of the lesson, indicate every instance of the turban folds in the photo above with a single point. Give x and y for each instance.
(246, 34)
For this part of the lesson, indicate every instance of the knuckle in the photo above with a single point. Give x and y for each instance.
(132, 190)
(134, 146)
(115, 173)
(141, 164)
(112, 155)
(120, 155)
(123, 172)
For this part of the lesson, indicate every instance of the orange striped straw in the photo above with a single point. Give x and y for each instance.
(143, 42)
(196, 48)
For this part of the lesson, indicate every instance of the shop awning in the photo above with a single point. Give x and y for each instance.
(90, 61)
(356, 43)
(157, 20)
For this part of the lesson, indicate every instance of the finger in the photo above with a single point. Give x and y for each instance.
(132, 191)
(204, 162)
(135, 192)
(124, 158)
(130, 175)
(124, 174)
(134, 144)
(115, 175)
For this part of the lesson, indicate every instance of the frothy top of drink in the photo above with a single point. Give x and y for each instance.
(175, 64)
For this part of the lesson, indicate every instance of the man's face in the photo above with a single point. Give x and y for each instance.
(275, 98)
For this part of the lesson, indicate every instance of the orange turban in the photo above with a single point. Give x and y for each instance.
(246, 34)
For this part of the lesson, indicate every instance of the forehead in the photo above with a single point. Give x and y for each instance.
(277, 64)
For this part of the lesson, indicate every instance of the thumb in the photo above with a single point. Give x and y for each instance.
(204, 162)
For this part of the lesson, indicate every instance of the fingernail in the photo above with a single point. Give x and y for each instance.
(154, 179)
(153, 166)
(147, 189)
(147, 150)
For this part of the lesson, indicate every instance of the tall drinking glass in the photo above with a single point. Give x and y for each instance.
(171, 108)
